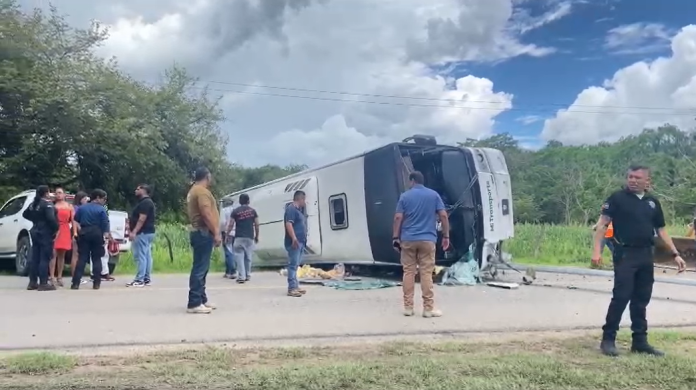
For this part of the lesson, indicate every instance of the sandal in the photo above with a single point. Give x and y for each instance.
(59, 282)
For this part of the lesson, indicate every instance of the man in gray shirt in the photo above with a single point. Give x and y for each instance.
(246, 235)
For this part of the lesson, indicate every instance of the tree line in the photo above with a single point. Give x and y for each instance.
(68, 118)
(568, 184)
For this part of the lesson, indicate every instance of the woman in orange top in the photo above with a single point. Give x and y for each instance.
(64, 239)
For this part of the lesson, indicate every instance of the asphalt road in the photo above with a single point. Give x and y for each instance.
(258, 311)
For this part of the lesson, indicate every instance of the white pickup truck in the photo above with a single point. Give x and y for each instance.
(15, 242)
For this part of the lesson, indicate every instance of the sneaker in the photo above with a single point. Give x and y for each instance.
(75, 287)
(82, 281)
(240, 281)
(148, 283)
(135, 283)
(302, 291)
(33, 286)
(432, 313)
(210, 306)
(202, 309)
(408, 312)
(295, 293)
(96, 286)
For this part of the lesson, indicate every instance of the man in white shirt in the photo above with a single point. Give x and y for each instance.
(230, 265)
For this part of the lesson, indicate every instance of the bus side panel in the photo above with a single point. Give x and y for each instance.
(381, 195)
(495, 226)
(313, 249)
(498, 167)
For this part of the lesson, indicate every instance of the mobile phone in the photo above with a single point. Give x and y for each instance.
(397, 245)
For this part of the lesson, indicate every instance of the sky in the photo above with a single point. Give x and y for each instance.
(314, 81)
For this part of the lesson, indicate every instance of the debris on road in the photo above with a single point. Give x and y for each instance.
(307, 272)
(507, 286)
(464, 272)
(372, 284)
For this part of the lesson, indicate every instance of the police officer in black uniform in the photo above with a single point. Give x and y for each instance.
(636, 216)
(42, 214)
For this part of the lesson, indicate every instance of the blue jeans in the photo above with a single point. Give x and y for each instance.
(202, 243)
(609, 243)
(294, 261)
(142, 253)
(244, 252)
(230, 265)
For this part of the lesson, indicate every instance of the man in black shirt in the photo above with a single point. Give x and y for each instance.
(245, 236)
(636, 216)
(142, 234)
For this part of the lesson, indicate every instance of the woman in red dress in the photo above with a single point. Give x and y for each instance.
(64, 239)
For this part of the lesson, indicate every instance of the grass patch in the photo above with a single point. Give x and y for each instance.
(536, 362)
(556, 245)
(39, 363)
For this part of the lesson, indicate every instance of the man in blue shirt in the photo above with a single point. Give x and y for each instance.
(93, 229)
(415, 236)
(295, 240)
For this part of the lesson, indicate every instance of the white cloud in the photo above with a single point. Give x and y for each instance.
(484, 30)
(638, 38)
(381, 47)
(529, 119)
(644, 94)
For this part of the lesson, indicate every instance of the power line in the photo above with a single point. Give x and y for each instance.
(295, 89)
(528, 110)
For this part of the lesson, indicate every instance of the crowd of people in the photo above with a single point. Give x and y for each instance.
(60, 227)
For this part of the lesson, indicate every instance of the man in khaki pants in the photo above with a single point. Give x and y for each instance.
(415, 236)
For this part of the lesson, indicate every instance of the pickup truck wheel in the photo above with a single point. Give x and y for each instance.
(23, 255)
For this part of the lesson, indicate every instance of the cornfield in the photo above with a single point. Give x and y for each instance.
(533, 244)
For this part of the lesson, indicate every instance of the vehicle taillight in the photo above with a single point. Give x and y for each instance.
(127, 230)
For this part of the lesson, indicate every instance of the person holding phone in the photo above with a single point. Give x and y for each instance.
(415, 237)
(295, 240)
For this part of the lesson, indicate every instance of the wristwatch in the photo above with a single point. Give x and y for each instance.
(675, 254)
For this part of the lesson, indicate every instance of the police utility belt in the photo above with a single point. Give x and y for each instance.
(650, 243)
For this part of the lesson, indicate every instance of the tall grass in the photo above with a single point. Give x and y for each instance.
(181, 258)
(533, 244)
(558, 244)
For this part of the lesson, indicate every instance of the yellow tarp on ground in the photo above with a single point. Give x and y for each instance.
(307, 272)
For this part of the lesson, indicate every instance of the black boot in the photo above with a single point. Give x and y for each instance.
(96, 286)
(641, 345)
(46, 287)
(33, 286)
(75, 286)
(608, 348)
